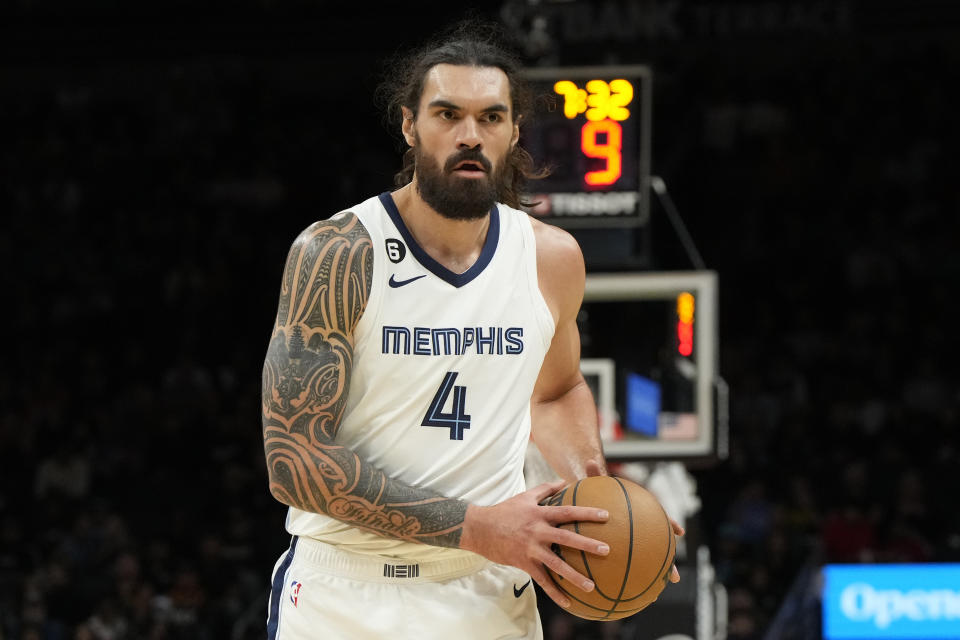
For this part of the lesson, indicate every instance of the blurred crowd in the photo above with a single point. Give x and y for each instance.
(829, 210)
(150, 209)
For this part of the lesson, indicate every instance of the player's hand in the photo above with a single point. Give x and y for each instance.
(520, 532)
(678, 531)
(593, 468)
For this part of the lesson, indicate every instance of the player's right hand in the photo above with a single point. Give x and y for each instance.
(520, 532)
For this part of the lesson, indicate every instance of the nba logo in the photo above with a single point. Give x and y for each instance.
(295, 592)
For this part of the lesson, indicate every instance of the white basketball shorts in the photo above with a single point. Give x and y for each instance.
(322, 592)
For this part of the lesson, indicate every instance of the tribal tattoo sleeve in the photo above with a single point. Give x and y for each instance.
(306, 377)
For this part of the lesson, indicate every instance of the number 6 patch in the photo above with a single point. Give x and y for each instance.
(395, 250)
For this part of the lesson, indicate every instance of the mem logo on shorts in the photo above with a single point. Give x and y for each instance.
(401, 570)
(295, 592)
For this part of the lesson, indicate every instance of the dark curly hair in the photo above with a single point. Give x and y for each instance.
(474, 43)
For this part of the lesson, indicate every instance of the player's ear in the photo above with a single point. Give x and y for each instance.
(516, 132)
(407, 125)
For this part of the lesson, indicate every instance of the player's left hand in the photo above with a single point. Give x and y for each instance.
(593, 468)
(677, 531)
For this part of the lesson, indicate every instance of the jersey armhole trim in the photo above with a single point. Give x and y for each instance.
(371, 312)
(545, 321)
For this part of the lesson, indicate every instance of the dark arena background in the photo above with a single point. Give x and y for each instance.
(158, 158)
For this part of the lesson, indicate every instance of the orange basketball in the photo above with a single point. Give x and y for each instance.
(642, 546)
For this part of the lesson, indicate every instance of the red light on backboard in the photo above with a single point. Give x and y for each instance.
(685, 313)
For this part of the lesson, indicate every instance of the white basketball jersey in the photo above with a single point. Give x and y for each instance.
(444, 367)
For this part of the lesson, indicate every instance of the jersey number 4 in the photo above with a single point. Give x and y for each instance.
(456, 420)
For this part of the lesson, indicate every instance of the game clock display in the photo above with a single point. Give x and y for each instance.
(591, 127)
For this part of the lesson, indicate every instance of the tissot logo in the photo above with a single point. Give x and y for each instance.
(395, 250)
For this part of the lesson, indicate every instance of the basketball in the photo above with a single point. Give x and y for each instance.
(642, 546)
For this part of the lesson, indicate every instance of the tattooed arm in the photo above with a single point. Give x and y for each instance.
(306, 378)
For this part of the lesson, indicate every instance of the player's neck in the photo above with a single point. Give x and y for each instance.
(456, 244)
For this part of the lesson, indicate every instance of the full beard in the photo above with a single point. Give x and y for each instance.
(450, 195)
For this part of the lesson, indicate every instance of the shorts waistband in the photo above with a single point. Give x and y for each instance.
(381, 569)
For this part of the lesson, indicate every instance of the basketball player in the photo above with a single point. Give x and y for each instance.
(421, 336)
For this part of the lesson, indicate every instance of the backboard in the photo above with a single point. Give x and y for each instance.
(650, 355)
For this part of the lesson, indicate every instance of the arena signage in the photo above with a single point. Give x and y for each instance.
(905, 601)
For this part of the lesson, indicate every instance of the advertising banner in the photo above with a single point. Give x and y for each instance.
(907, 601)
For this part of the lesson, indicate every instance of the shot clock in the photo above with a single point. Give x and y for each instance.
(591, 126)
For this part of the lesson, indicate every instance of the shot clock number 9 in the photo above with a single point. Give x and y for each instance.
(604, 104)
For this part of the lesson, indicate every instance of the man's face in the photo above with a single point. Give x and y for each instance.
(461, 137)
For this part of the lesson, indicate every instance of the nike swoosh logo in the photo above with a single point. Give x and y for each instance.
(399, 283)
(519, 592)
